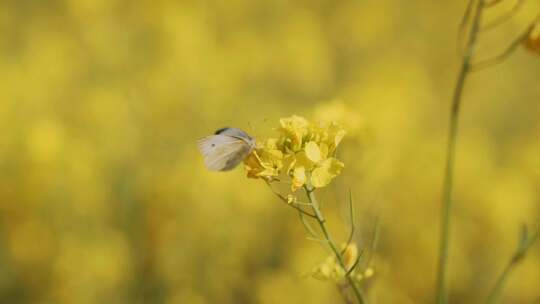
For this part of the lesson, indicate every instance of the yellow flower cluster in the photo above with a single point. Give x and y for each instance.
(331, 270)
(303, 151)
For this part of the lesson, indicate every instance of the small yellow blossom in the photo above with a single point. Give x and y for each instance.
(291, 199)
(325, 171)
(366, 274)
(294, 129)
(369, 272)
(350, 255)
(298, 178)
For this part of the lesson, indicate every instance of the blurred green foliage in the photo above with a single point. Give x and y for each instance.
(105, 199)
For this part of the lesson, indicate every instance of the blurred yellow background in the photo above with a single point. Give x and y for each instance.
(104, 197)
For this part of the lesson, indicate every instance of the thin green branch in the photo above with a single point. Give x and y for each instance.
(307, 226)
(534, 238)
(352, 221)
(488, 4)
(463, 26)
(374, 239)
(355, 263)
(302, 204)
(504, 18)
(518, 256)
(286, 201)
(442, 275)
(485, 63)
(324, 241)
(322, 223)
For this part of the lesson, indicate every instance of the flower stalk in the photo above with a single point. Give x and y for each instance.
(329, 240)
(442, 275)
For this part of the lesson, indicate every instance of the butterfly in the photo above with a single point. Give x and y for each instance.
(224, 150)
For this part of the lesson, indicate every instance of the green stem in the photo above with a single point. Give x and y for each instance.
(322, 223)
(496, 292)
(442, 275)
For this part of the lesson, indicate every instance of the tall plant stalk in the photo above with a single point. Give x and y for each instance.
(470, 28)
(452, 137)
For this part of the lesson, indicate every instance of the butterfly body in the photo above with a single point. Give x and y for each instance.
(224, 150)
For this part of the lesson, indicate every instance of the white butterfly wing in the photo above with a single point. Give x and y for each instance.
(222, 152)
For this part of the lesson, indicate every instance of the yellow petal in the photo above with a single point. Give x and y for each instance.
(253, 165)
(276, 154)
(299, 178)
(335, 136)
(335, 166)
(313, 152)
(324, 150)
(294, 128)
(303, 161)
(338, 137)
(291, 166)
(323, 174)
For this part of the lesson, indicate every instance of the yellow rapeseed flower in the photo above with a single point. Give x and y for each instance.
(293, 130)
(264, 162)
(307, 148)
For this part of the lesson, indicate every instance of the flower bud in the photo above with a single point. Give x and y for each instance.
(532, 42)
